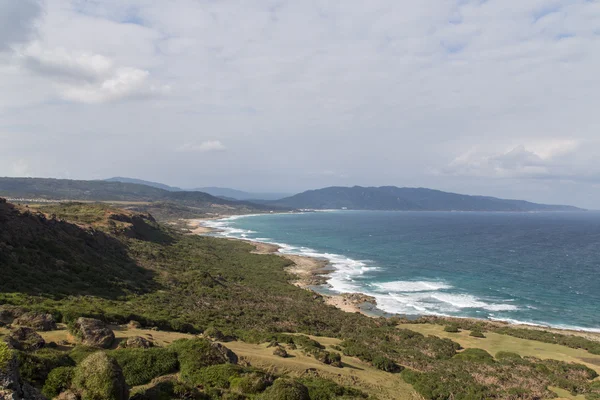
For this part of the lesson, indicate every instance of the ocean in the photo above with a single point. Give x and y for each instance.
(536, 268)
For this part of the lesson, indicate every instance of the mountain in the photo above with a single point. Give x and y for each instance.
(143, 182)
(240, 195)
(410, 199)
(225, 193)
(64, 189)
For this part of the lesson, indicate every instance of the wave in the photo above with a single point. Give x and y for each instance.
(419, 297)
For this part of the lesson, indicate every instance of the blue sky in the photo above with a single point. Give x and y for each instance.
(497, 97)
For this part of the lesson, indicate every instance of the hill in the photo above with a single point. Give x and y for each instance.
(410, 199)
(241, 195)
(75, 260)
(143, 182)
(64, 189)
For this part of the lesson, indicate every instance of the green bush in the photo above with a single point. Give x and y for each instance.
(285, 389)
(251, 383)
(214, 333)
(507, 355)
(322, 389)
(140, 366)
(99, 377)
(80, 353)
(35, 367)
(477, 333)
(195, 354)
(6, 355)
(217, 376)
(385, 364)
(452, 328)
(475, 355)
(169, 390)
(59, 380)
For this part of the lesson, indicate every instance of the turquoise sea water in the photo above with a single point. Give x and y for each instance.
(540, 268)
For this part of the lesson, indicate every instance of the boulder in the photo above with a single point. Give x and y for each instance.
(12, 386)
(68, 395)
(136, 342)
(228, 355)
(25, 339)
(134, 325)
(280, 352)
(94, 333)
(38, 321)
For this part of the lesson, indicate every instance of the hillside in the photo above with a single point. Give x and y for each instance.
(92, 260)
(143, 182)
(410, 199)
(64, 189)
(240, 194)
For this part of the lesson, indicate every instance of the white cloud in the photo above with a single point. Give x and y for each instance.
(86, 77)
(204, 147)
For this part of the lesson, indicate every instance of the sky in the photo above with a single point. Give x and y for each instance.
(492, 97)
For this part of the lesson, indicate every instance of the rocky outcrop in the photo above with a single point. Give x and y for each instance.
(25, 339)
(94, 333)
(38, 321)
(136, 342)
(12, 386)
(228, 355)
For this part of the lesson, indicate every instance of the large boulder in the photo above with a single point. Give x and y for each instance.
(226, 354)
(94, 333)
(25, 339)
(136, 342)
(38, 321)
(100, 377)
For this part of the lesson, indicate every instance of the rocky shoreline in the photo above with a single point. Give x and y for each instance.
(312, 273)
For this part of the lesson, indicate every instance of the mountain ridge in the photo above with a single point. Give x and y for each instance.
(393, 198)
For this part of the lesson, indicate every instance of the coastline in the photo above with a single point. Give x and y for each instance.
(311, 273)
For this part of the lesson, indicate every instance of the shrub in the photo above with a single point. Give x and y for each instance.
(168, 391)
(507, 355)
(80, 353)
(35, 367)
(285, 389)
(99, 377)
(251, 383)
(214, 334)
(452, 328)
(322, 389)
(6, 355)
(477, 333)
(195, 354)
(140, 366)
(475, 355)
(385, 364)
(59, 380)
(217, 376)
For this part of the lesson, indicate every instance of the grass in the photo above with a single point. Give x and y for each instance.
(494, 342)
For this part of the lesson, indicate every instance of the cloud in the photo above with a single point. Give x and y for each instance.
(17, 19)
(86, 77)
(550, 159)
(204, 147)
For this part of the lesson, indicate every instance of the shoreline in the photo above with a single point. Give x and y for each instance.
(312, 273)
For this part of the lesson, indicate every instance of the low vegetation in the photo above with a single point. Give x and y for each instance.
(118, 266)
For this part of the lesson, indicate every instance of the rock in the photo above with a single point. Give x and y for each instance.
(134, 325)
(25, 339)
(68, 395)
(94, 333)
(280, 352)
(100, 377)
(12, 386)
(228, 355)
(38, 321)
(136, 342)
(8, 313)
